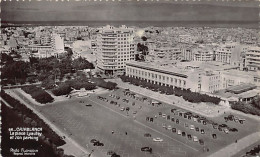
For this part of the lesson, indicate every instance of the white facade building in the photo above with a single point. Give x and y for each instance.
(252, 61)
(114, 47)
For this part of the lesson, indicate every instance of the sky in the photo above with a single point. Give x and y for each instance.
(162, 10)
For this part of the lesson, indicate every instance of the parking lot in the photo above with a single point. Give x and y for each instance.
(125, 122)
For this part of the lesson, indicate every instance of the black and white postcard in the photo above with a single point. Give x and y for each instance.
(130, 78)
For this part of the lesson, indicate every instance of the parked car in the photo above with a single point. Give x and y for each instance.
(202, 131)
(189, 136)
(233, 129)
(214, 136)
(147, 135)
(201, 142)
(98, 144)
(93, 141)
(164, 125)
(226, 130)
(122, 108)
(195, 139)
(115, 155)
(164, 115)
(134, 112)
(173, 110)
(179, 132)
(197, 129)
(88, 105)
(173, 120)
(177, 121)
(173, 130)
(147, 149)
(157, 139)
(183, 133)
(192, 127)
(186, 125)
(110, 152)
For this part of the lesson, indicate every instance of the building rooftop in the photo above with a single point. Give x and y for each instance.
(241, 88)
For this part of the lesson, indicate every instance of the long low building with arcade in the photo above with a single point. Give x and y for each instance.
(197, 76)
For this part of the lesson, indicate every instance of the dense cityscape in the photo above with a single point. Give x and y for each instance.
(209, 71)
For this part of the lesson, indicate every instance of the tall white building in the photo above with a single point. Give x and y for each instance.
(114, 47)
(253, 59)
(57, 43)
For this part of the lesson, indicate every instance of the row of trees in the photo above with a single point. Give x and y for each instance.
(102, 83)
(38, 94)
(249, 108)
(44, 69)
(24, 117)
(66, 87)
(185, 93)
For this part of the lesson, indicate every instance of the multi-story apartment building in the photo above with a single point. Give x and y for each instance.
(53, 48)
(203, 54)
(114, 47)
(252, 60)
(172, 53)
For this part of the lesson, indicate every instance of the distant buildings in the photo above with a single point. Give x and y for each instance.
(203, 53)
(114, 47)
(54, 47)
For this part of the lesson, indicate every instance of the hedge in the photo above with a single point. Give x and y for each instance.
(102, 83)
(185, 93)
(246, 108)
(38, 94)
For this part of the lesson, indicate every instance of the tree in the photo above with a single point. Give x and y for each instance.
(143, 38)
(81, 64)
(256, 102)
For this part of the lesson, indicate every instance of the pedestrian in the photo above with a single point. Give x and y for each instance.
(218, 111)
(125, 133)
(112, 131)
(236, 141)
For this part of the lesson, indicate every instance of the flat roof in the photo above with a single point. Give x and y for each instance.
(157, 68)
(241, 88)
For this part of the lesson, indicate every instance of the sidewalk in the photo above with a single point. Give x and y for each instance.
(204, 109)
(235, 148)
(71, 147)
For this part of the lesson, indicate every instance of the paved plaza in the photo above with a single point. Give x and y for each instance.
(83, 123)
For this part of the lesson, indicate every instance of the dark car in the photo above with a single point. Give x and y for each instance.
(183, 133)
(174, 130)
(93, 141)
(147, 135)
(146, 149)
(110, 152)
(177, 121)
(202, 131)
(201, 142)
(115, 155)
(173, 119)
(214, 136)
(172, 110)
(197, 129)
(98, 144)
(88, 105)
(189, 136)
(233, 130)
